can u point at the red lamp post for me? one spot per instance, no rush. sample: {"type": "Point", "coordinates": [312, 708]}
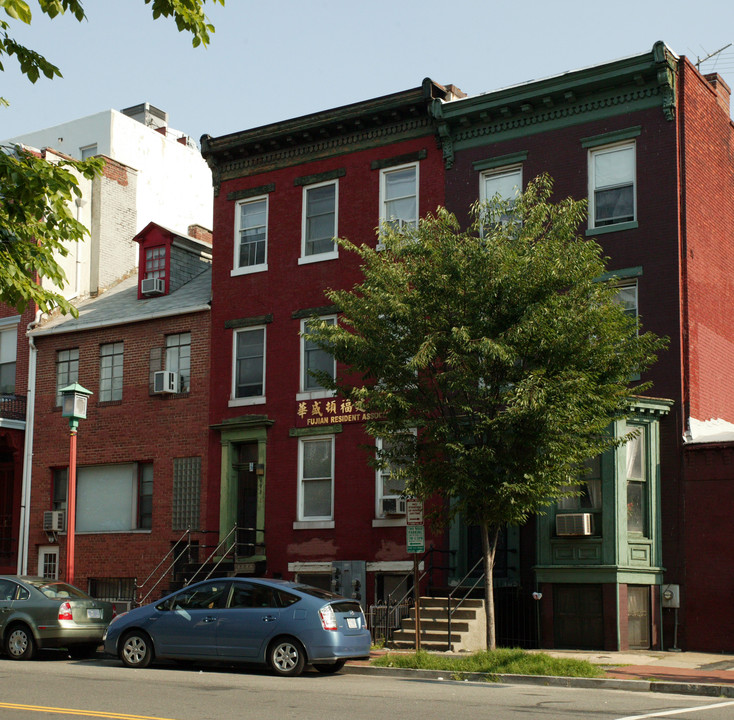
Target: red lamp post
{"type": "Point", "coordinates": [73, 406]}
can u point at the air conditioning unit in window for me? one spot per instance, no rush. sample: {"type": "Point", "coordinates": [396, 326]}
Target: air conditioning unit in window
{"type": "Point", "coordinates": [153, 286]}
{"type": "Point", "coordinates": [574, 524]}
{"type": "Point", "coordinates": [392, 505]}
{"type": "Point", "coordinates": [54, 520]}
{"type": "Point", "coordinates": [165, 381]}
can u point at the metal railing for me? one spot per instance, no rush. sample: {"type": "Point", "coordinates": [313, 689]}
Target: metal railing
{"type": "Point", "coordinates": [451, 597]}
{"type": "Point", "coordinates": [383, 620]}
{"type": "Point", "coordinates": [12, 407]}
{"type": "Point", "coordinates": [229, 548]}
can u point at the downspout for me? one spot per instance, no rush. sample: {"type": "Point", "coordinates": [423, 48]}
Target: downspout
{"type": "Point", "coordinates": [25, 493]}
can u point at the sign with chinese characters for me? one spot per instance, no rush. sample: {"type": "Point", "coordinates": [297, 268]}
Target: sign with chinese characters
{"type": "Point", "coordinates": [329, 411]}
{"type": "Point", "coordinates": [415, 539]}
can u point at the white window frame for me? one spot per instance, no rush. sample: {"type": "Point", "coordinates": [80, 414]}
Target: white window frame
{"type": "Point", "coordinates": [45, 551]}
{"type": "Point", "coordinates": [314, 521]}
{"type": "Point", "coordinates": [507, 170]}
{"type": "Point", "coordinates": [380, 519]}
{"type": "Point", "coordinates": [315, 393]}
{"type": "Point", "coordinates": [111, 391]}
{"type": "Point", "coordinates": [238, 269]}
{"type": "Point", "coordinates": [384, 173]}
{"type": "Point", "coordinates": [334, 252]}
{"type": "Point", "coordinates": [629, 145]}
{"type": "Point", "coordinates": [175, 360]}
{"type": "Point", "coordinates": [71, 377]}
{"type": "Point", "coordinates": [10, 325]}
{"type": "Point", "coordinates": [255, 399]}
{"type": "Point", "coordinates": [630, 284]}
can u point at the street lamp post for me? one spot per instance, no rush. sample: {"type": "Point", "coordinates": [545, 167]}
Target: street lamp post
{"type": "Point", "coordinates": [73, 406]}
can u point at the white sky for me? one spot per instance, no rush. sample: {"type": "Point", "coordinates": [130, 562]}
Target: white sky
{"type": "Point", "coordinates": [270, 61]}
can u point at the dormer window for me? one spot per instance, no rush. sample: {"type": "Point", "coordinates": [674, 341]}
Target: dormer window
{"type": "Point", "coordinates": [154, 278]}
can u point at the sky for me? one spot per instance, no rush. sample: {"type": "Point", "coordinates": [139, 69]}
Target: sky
{"type": "Point", "coordinates": [271, 61]}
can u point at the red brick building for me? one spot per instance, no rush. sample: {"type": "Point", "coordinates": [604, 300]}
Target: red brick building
{"type": "Point", "coordinates": [142, 348]}
{"type": "Point", "coordinates": [287, 458]}
{"type": "Point", "coordinates": [648, 141]}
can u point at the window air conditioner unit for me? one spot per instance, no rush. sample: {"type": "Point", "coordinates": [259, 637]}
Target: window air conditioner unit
{"type": "Point", "coordinates": [165, 381]}
{"type": "Point", "coordinates": [54, 520]}
{"type": "Point", "coordinates": [153, 286]}
{"type": "Point", "coordinates": [574, 524]}
{"type": "Point", "coordinates": [392, 505]}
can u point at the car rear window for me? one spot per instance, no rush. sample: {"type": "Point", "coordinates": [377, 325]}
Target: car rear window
{"type": "Point", "coordinates": [345, 606]}
{"type": "Point", "coordinates": [316, 592]}
{"type": "Point", "coordinates": [55, 590]}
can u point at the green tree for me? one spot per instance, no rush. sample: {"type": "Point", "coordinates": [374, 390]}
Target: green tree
{"type": "Point", "coordinates": [36, 223]}
{"type": "Point", "coordinates": [500, 346]}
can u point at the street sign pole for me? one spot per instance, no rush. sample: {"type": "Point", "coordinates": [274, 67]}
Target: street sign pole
{"type": "Point", "coordinates": [415, 536]}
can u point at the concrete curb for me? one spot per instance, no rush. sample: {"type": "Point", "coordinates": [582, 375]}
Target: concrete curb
{"type": "Point", "coordinates": [679, 688]}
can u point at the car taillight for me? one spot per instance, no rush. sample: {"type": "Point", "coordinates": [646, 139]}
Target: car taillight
{"type": "Point", "coordinates": [114, 611]}
{"type": "Point", "coordinates": [65, 611]}
{"type": "Point", "coordinates": [328, 618]}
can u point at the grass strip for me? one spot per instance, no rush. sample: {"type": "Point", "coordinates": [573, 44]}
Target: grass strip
{"type": "Point", "coordinates": [503, 661]}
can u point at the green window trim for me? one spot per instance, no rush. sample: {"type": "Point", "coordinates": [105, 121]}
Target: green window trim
{"type": "Point", "coordinates": [320, 430]}
{"type": "Point", "coordinates": [612, 228]}
{"type": "Point", "coordinates": [610, 138]}
{"type": "Point", "coordinates": [500, 161]}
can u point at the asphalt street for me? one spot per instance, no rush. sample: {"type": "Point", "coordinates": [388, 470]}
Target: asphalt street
{"type": "Point", "coordinates": [53, 687]}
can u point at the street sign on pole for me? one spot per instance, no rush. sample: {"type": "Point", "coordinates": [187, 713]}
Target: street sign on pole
{"type": "Point", "coordinates": [415, 538]}
{"type": "Point", "coordinates": [414, 512]}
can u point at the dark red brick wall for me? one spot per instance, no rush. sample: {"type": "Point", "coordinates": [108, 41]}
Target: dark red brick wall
{"type": "Point", "coordinates": [706, 617]}
{"type": "Point", "coordinates": [140, 428]}
{"type": "Point", "coordinates": [283, 289]}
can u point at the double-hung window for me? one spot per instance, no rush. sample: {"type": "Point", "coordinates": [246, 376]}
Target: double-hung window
{"type": "Point", "coordinates": [320, 216]}
{"type": "Point", "coordinates": [155, 262]}
{"type": "Point", "coordinates": [251, 235]}
{"type": "Point", "coordinates": [612, 196]}
{"type": "Point", "coordinates": [109, 498]}
{"type": "Point", "coordinates": [8, 352]}
{"type": "Point", "coordinates": [316, 478]}
{"type": "Point", "coordinates": [67, 370]}
{"type": "Point", "coordinates": [315, 359]}
{"type": "Point", "coordinates": [248, 386]}
{"type": "Point", "coordinates": [503, 185]}
{"type": "Point", "coordinates": [390, 482]}
{"type": "Point", "coordinates": [178, 359]}
{"type": "Point", "coordinates": [399, 196]}
{"type": "Point", "coordinates": [110, 371]}
{"type": "Point", "coordinates": [627, 298]}
{"type": "Point", "coordinates": [637, 483]}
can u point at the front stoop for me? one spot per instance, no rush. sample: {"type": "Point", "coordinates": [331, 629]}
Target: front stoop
{"type": "Point", "coordinates": [468, 627]}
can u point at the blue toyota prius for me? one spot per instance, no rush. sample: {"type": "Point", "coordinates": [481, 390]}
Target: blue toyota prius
{"type": "Point", "coordinates": [283, 625]}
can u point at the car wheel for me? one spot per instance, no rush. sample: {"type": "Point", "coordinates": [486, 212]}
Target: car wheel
{"type": "Point", "coordinates": [85, 650]}
{"type": "Point", "coordinates": [136, 649]}
{"type": "Point", "coordinates": [328, 668]}
{"type": "Point", "coordinates": [19, 643]}
{"type": "Point", "coordinates": [287, 657]}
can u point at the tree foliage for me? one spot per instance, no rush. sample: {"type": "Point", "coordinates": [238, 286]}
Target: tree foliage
{"type": "Point", "coordinates": [500, 345]}
{"type": "Point", "coordinates": [37, 224]}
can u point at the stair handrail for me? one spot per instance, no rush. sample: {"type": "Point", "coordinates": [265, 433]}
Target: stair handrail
{"type": "Point", "coordinates": [187, 532]}
{"type": "Point", "coordinates": [213, 553]}
{"type": "Point", "coordinates": [449, 610]}
{"type": "Point", "coordinates": [428, 568]}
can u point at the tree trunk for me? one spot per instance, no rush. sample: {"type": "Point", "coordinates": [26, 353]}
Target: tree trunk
{"type": "Point", "coordinates": [489, 547]}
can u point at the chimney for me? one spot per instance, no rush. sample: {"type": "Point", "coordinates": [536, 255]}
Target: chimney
{"type": "Point", "coordinates": [198, 232]}
{"type": "Point", "coordinates": [723, 91]}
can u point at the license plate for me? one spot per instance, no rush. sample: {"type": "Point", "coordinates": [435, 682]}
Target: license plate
{"type": "Point", "coordinates": [352, 623]}
{"type": "Point", "coordinates": [94, 613]}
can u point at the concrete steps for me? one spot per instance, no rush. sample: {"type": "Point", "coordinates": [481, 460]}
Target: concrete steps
{"type": "Point", "coordinates": [468, 627]}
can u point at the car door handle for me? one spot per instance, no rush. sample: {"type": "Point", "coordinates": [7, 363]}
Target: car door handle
{"type": "Point", "coordinates": [269, 618]}
{"type": "Point", "coordinates": [209, 619]}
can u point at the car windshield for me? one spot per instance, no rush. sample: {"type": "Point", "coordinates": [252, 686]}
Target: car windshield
{"type": "Point", "coordinates": [56, 590]}
{"type": "Point", "coordinates": [316, 592]}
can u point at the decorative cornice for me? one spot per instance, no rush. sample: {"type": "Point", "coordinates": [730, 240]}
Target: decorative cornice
{"type": "Point", "coordinates": [617, 88]}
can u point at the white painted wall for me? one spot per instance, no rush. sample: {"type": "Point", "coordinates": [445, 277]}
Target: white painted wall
{"type": "Point", "coordinates": [174, 181]}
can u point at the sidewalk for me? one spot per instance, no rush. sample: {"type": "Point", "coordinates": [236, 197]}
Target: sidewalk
{"type": "Point", "coordinates": [640, 670]}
